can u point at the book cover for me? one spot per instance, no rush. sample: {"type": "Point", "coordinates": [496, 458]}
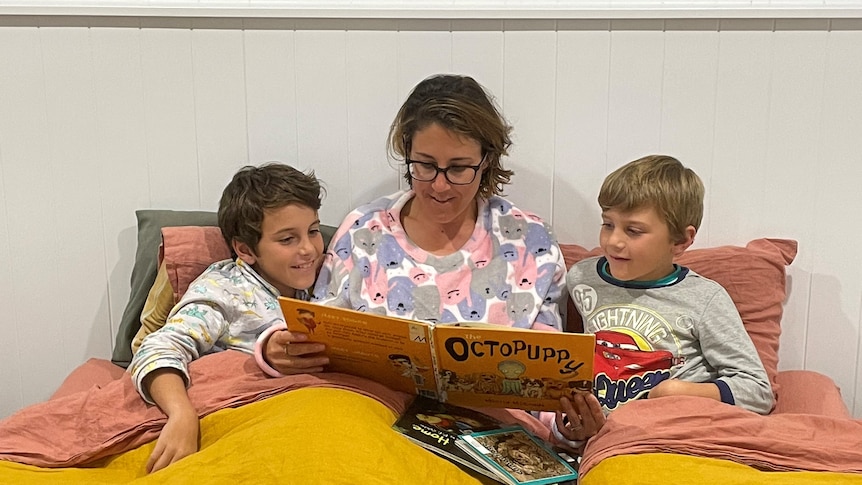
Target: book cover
{"type": "Point", "coordinates": [518, 457]}
{"type": "Point", "coordinates": [494, 366]}
{"type": "Point", "coordinates": [436, 426]}
{"type": "Point", "coordinates": [466, 364]}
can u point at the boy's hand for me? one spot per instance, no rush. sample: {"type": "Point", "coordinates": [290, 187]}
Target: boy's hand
{"type": "Point", "coordinates": [583, 417]}
{"type": "Point", "coordinates": [291, 353]}
{"type": "Point", "coordinates": [178, 439]}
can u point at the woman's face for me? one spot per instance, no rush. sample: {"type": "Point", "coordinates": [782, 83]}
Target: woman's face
{"type": "Point", "coordinates": [440, 201]}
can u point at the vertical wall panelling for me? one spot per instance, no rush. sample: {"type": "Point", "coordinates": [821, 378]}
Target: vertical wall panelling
{"type": "Point", "coordinates": [740, 142]}
{"type": "Point", "coordinates": [529, 75]}
{"type": "Point", "coordinates": [169, 104]}
{"type": "Point", "coordinates": [635, 98]}
{"type": "Point", "coordinates": [23, 121]}
{"type": "Point", "coordinates": [835, 303]}
{"type": "Point", "coordinates": [739, 179]}
{"type": "Point", "coordinates": [795, 109]}
{"type": "Point", "coordinates": [784, 207]}
{"type": "Point", "coordinates": [688, 99]}
{"type": "Point", "coordinates": [424, 49]}
{"type": "Point", "coordinates": [477, 51]}
{"type": "Point", "coordinates": [80, 311]}
{"type": "Point", "coordinates": [270, 83]}
{"type": "Point", "coordinates": [99, 117]}
{"type": "Point", "coordinates": [321, 95]}
{"type": "Point", "coordinates": [121, 151]}
{"type": "Point", "coordinates": [372, 101]}
{"type": "Point", "coordinates": [220, 111]}
{"type": "Point", "coordinates": [583, 63]}
{"type": "Point", "coordinates": [10, 372]}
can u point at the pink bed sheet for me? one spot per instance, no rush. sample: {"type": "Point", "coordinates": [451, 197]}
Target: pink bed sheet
{"type": "Point", "coordinates": [706, 428]}
{"type": "Point", "coordinates": [86, 421]}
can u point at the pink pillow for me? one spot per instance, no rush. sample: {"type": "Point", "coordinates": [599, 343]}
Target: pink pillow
{"type": "Point", "coordinates": [187, 251]}
{"type": "Point", "coordinates": [754, 277]}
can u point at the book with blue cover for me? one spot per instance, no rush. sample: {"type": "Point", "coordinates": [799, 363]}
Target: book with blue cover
{"type": "Point", "coordinates": [518, 457]}
{"type": "Point", "coordinates": [437, 426]}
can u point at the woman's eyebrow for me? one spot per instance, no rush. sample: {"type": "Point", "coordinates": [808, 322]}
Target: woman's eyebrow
{"type": "Point", "coordinates": [455, 159]}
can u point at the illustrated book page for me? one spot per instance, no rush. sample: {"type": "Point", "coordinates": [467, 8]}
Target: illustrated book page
{"type": "Point", "coordinates": [392, 351]}
{"type": "Point", "coordinates": [467, 364]}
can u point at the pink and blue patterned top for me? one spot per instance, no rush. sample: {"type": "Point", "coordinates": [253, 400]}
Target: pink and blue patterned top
{"type": "Point", "coordinates": [510, 272]}
{"type": "Point", "coordinates": [226, 307]}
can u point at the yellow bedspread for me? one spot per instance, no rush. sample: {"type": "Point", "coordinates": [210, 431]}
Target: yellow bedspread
{"type": "Point", "coordinates": [283, 439]}
{"type": "Point", "coordinates": [672, 469]}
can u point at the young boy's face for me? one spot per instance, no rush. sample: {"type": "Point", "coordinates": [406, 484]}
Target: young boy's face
{"type": "Point", "coordinates": [290, 248]}
{"type": "Point", "coordinates": [638, 244]}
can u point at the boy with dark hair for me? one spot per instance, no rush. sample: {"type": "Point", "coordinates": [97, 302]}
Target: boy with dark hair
{"type": "Point", "coordinates": [661, 329]}
{"type": "Point", "coordinates": [268, 216]}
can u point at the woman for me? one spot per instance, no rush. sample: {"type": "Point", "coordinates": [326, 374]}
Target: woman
{"type": "Point", "coordinates": [449, 248]}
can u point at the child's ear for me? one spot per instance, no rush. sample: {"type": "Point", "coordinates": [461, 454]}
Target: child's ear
{"type": "Point", "coordinates": [686, 241]}
{"type": "Point", "coordinates": [244, 251]}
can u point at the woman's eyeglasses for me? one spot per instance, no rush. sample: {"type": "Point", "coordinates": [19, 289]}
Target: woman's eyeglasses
{"type": "Point", "coordinates": [455, 174]}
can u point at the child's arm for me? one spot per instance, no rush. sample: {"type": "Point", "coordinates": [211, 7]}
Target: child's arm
{"type": "Point", "coordinates": [179, 437]}
{"type": "Point", "coordinates": [160, 372]}
{"type": "Point", "coordinates": [676, 387]}
{"type": "Point", "coordinates": [727, 348]}
{"type": "Point", "coordinates": [191, 330]}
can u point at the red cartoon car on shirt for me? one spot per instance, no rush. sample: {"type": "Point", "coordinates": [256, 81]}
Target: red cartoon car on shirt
{"type": "Point", "coordinates": [624, 371]}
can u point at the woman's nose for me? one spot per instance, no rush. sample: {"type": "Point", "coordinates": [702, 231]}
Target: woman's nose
{"type": "Point", "coordinates": [440, 182]}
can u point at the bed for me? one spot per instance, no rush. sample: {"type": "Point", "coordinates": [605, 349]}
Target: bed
{"type": "Point", "coordinates": [336, 428]}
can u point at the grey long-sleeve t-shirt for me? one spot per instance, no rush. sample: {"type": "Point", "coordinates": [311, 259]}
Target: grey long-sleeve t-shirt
{"type": "Point", "coordinates": [690, 316]}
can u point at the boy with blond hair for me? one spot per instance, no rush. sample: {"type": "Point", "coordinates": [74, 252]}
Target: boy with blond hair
{"type": "Point", "coordinates": [268, 216]}
{"type": "Point", "coordinates": [661, 329]}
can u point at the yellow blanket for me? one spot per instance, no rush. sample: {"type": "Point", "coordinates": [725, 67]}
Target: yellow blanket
{"type": "Point", "coordinates": [672, 469]}
{"type": "Point", "coordinates": [313, 435]}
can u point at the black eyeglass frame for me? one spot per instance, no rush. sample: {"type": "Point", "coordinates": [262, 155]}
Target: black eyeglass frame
{"type": "Point", "coordinates": [444, 171]}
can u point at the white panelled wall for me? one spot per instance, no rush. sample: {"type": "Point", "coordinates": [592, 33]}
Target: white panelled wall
{"type": "Point", "coordinates": [102, 116]}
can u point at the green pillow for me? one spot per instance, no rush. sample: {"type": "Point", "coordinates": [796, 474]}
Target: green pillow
{"type": "Point", "coordinates": [150, 224]}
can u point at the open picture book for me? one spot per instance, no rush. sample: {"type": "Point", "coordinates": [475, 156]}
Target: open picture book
{"type": "Point", "coordinates": [463, 363]}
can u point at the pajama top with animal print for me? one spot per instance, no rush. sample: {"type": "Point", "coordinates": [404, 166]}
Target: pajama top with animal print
{"type": "Point", "coordinates": [226, 307]}
{"type": "Point", "coordinates": [510, 272]}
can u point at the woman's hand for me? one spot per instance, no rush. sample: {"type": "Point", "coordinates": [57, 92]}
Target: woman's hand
{"type": "Point", "coordinates": [291, 353]}
{"type": "Point", "coordinates": [581, 418]}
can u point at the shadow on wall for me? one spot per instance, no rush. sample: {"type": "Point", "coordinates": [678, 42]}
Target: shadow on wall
{"type": "Point", "coordinates": [817, 299]}
{"type": "Point", "coordinates": [120, 276]}
{"type": "Point", "coordinates": [828, 317]}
